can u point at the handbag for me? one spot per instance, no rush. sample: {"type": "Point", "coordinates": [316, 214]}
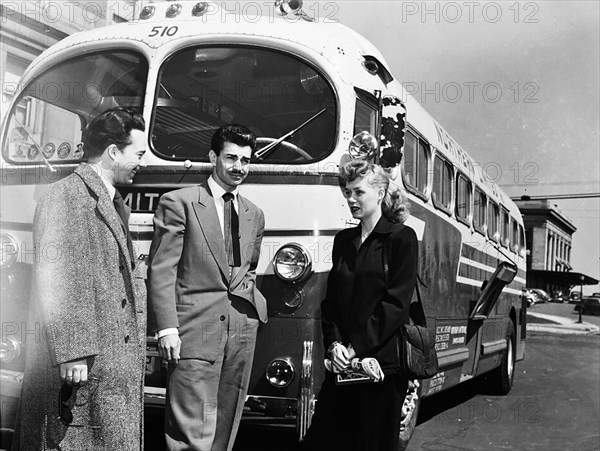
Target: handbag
{"type": "Point", "coordinates": [416, 354]}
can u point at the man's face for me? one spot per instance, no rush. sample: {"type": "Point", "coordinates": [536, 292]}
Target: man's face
{"type": "Point", "coordinates": [231, 166]}
{"type": "Point", "coordinates": [129, 159]}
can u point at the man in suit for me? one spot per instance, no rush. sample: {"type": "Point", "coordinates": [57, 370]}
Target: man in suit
{"type": "Point", "coordinates": [203, 296]}
{"type": "Point", "coordinates": [91, 301]}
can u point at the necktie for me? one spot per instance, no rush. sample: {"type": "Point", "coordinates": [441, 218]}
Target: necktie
{"type": "Point", "coordinates": [232, 232]}
{"type": "Point", "coordinates": [120, 207]}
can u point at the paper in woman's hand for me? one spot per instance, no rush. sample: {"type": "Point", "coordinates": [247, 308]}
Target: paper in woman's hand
{"type": "Point", "coordinates": [361, 371]}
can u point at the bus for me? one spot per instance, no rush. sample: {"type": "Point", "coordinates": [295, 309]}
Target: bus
{"type": "Point", "coordinates": [316, 94]}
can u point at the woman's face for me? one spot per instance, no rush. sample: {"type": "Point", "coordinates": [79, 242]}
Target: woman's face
{"type": "Point", "coordinates": [363, 199]}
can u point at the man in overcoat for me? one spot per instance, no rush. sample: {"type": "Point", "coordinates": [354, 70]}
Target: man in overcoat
{"type": "Point", "coordinates": [89, 304]}
{"type": "Point", "coordinates": [203, 297]}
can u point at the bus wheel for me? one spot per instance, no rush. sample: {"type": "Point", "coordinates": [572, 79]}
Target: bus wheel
{"type": "Point", "coordinates": [410, 412]}
{"type": "Point", "coordinates": [501, 380]}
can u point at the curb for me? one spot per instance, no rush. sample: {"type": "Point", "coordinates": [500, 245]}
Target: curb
{"type": "Point", "coordinates": [563, 329]}
{"type": "Point", "coordinates": [560, 325]}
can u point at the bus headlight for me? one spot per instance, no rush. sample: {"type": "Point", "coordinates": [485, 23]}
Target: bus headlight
{"type": "Point", "coordinates": [292, 263]}
{"type": "Point", "coordinates": [10, 349]}
{"type": "Point", "coordinates": [280, 373]}
{"type": "Point", "coordinates": [9, 250]}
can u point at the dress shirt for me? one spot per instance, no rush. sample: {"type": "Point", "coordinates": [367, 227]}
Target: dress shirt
{"type": "Point", "coordinates": [217, 193]}
{"type": "Point", "coordinates": [111, 189]}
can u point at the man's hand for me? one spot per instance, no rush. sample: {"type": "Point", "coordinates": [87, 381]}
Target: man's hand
{"type": "Point", "coordinates": [74, 372]}
{"type": "Point", "coordinates": [340, 358]}
{"type": "Point", "coordinates": [168, 347]}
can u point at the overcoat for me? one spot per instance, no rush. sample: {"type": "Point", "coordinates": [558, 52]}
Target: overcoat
{"type": "Point", "coordinates": [88, 302]}
{"type": "Point", "coordinates": [360, 307]}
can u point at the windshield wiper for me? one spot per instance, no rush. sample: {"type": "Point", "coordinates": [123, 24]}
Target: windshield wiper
{"type": "Point", "coordinates": [269, 147]}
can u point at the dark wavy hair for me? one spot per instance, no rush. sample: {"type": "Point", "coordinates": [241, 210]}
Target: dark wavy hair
{"type": "Point", "coordinates": [233, 133]}
{"type": "Point", "coordinates": [394, 205]}
{"type": "Point", "coordinates": [111, 127]}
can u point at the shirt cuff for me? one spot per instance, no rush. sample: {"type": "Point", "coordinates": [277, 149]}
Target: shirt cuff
{"type": "Point", "coordinates": [169, 331]}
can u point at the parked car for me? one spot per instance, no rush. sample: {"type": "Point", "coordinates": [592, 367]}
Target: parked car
{"type": "Point", "coordinates": [558, 296]}
{"type": "Point", "coordinates": [574, 297]}
{"type": "Point", "coordinates": [529, 296]}
{"type": "Point", "coordinates": [589, 305]}
{"type": "Point", "coordinates": [541, 295]}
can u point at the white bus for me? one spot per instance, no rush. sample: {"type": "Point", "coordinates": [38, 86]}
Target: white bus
{"type": "Point", "coordinates": [316, 94]}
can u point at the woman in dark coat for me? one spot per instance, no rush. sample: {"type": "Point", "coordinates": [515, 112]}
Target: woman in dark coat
{"type": "Point", "coordinates": [362, 314]}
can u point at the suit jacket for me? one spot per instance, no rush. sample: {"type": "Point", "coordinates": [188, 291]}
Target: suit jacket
{"type": "Point", "coordinates": [360, 307]}
{"type": "Point", "coordinates": [90, 304]}
{"type": "Point", "coordinates": [188, 274]}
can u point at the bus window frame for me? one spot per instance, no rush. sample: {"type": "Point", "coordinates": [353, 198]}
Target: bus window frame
{"type": "Point", "coordinates": [483, 228]}
{"type": "Point", "coordinates": [504, 237]}
{"type": "Point", "coordinates": [438, 204]}
{"type": "Point", "coordinates": [330, 84]}
{"type": "Point", "coordinates": [469, 218]}
{"type": "Point", "coordinates": [496, 235]}
{"type": "Point", "coordinates": [423, 195]}
{"type": "Point", "coordinates": [370, 101]}
{"type": "Point", "coordinates": [17, 97]}
{"type": "Point", "coordinates": [514, 235]}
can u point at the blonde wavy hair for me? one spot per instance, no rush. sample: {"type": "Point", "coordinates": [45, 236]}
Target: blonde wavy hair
{"type": "Point", "coordinates": [395, 205]}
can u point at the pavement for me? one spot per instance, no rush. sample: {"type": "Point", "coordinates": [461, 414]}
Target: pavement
{"type": "Point", "coordinates": [558, 324]}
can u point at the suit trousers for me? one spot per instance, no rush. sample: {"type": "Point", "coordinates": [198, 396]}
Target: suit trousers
{"type": "Point", "coordinates": [205, 399]}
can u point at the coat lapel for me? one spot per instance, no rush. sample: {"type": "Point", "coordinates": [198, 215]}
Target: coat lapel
{"type": "Point", "coordinates": [206, 213]}
{"type": "Point", "coordinates": [105, 206]}
{"type": "Point", "coordinates": [246, 219]}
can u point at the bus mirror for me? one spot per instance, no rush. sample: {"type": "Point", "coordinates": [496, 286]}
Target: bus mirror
{"type": "Point", "coordinates": [393, 127]}
{"type": "Point", "coordinates": [504, 274]}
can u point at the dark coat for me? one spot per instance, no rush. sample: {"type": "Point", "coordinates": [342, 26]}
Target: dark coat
{"type": "Point", "coordinates": [88, 303]}
{"type": "Point", "coordinates": [360, 308]}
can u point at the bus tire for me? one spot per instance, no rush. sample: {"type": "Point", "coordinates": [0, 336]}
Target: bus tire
{"type": "Point", "coordinates": [501, 380]}
{"type": "Point", "coordinates": [409, 423]}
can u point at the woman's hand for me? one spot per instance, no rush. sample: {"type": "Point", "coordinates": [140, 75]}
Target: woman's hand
{"type": "Point", "coordinates": [340, 358]}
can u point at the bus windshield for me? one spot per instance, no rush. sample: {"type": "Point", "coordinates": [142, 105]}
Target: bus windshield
{"type": "Point", "coordinates": [46, 122]}
{"type": "Point", "coordinates": [202, 88]}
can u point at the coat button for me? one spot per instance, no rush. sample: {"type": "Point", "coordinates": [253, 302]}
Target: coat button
{"type": "Point", "coordinates": [132, 265]}
{"type": "Point", "coordinates": [123, 303]}
{"type": "Point", "coordinates": [121, 268]}
{"type": "Point", "coordinates": [223, 317]}
{"type": "Point", "coordinates": [126, 338]}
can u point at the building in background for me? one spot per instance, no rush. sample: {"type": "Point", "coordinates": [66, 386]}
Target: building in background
{"type": "Point", "coordinates": [549, 237]}
{"type": "Point", "coordinates": [27, 28]}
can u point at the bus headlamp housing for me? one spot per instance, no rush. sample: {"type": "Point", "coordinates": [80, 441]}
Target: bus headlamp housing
{"type": "Point", "coordinates": [280, 372]}
{"type": "Point", "coordinates": [9, 250]}
{"type": "Point", "coordinates": [292, 263]}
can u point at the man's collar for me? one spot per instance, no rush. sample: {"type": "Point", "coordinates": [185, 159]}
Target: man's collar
{"type": "Point", "coordinates": [109, 186]}
{"type": "Point", "coordinates": [218, 191]}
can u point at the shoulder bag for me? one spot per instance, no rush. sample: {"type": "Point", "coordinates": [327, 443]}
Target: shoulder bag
{"type": "Point", "coordinates": [417, 357]}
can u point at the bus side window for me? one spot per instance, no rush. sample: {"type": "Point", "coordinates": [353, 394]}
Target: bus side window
{"type": "Point", "coordinates": [479, 212]}
{"type": "Point", "coordinates": [493, 216]}
{"type": "Point", "coordinates": [442, 184]}
{"type": "Point", "coordinates": [463, 200]}
{"type": "Point", "coordinates": [416, 160]}
{"type": "Point", "coordinates": [505, 231]}
{"type": "Point", "coordinates": [514, 236]}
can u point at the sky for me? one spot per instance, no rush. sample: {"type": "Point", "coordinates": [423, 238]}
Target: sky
{"type": "Point", "coordinates": [515, 83]}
